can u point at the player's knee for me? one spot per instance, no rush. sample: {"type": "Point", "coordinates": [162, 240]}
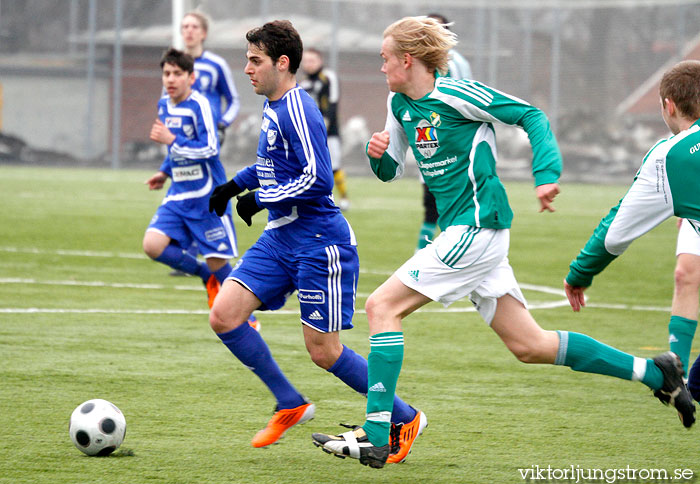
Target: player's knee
{"type": "Point", "coordinates": [527, 351]}
{"type": "Point", "coordinates": [223, 322]}
{"type": "Point", "coordinates": [217, 322]}
{"type": "Point", "coordinates": [374, 307]}
{"type": "Point", "coordinates": [686, 277]}
{"type": "Point", "coordinates": [322, 357]}
{"type": "Point", "coordinates": [152, 250]}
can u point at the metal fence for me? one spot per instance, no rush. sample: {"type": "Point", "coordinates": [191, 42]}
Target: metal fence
{"type": "Point", "coordinates": [80, 78]}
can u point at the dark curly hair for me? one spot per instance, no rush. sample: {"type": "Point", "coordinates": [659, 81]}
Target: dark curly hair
{"type": "Point", "coordinates": [278, 38]}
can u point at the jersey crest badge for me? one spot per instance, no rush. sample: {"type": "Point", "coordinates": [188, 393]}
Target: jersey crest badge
{"type": "Point", "coordinates": [426, 139]}
{"type": "Point", "coordinates": [435, 119]}
{"type": "Point", "coordinates": [406, 116]}
{"type": "Point", "coordinates": [173, 122]}
{"type": "Point", "coordinates": [271, 136]}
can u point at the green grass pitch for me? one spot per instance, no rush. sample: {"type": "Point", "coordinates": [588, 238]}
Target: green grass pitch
{"type": "Point", "coordinates": [84, 314]}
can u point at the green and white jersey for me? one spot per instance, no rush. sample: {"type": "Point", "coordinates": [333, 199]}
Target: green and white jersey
{"type": "Point", "coordinates": [451, 134]}
{"type": "Point", "coordinates": [667, 184]}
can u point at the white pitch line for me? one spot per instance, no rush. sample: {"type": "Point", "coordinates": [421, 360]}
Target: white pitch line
{"type": "Point", "coordinates": [280, 312]}
{"type": "Point", "coordinates": [78, 253]}
{"type": "Point", "coordinates": [121, 255]}
{"type": "Point", "coordinates": [125, 255]}
{"type": "Point", "coordinates": [120, 285]}
{"type": "Point", "coordinates": [629, 307]}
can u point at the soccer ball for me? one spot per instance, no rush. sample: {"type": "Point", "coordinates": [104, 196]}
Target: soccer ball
{"type": "Point", "coordinates": [97, 427]}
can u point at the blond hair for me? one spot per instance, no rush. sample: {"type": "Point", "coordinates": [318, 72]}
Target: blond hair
{"type": "Point", "coordinates": [201, 17]}
{"type": "Point", "coordinates": [425, 39]}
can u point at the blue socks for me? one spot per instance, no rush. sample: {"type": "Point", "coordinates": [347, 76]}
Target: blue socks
{"type": "Point", "coordinates": [223, 273]}
{"type": "Point", "coordinates": [184, 261]}
{"type": "Point", "coordinates": [177, 258]}
{"type": "Point", "coordinates": [248, 346]}
{"type": "Point", "coordinates": [351, 369]}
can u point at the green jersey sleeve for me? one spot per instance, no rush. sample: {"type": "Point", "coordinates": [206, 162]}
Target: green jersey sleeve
{"type": "Point", "coordinates": [647, 203]}
{"type": "Point", "coordinates": [391, 165]}
{"type": "Point", "coordinates": [479, 102]}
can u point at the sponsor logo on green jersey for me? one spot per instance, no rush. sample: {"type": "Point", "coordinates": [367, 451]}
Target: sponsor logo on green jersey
{"type": "Point", "coordinates": [427, 141]}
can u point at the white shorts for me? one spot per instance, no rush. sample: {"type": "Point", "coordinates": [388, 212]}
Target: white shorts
{"type": "Point", "coordinates": [688, 240]}
{"type": "Point", "coordinates": [464, 261]}
{"type": "Point", "coordinates": [335, 151]}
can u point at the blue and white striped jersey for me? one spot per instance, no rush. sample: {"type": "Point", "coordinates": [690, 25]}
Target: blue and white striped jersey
{"type": "Point", "coordinates": [215, 81]}
{"type": "Point", "coordinates": [193, 158]}
{"type": "Point", "coordinates": [293, 171]}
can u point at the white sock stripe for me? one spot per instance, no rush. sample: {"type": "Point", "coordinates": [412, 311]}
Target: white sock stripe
{"type": "Point", "coordinates": [640, 369]}
{"type": "Point", "coordinates": [391, 342]}
{"type": "Point", "coordinates": [373, 339]}
{"type": "Point", "coordinates": [560, 359]}
{"type": "Point", "coordinates": [384, 417]}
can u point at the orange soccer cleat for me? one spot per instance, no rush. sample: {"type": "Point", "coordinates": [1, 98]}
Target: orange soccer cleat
{"type": "Point", "coordinates": [402, 437]}
{"type": "Point", "coordinates": [282, 421]}
{"type": "Point", "coordinates": [213, 287]}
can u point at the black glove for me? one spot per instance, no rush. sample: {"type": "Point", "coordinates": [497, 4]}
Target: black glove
{"type": "Point", "coordinates": [247, 206]}
{"type": "Point", "coordinates": [218, 200]}
{"type": "Point", "coordinates": [221, 132]}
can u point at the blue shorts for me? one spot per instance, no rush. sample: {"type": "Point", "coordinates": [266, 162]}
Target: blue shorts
{"type": "Point", "coordinates": [215, 236]}
{"type": "Point", "coordinates": [325, 279]}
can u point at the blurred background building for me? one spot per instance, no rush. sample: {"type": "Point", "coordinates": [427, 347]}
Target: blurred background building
{"type": "Point", "coordinates": [79, 79]}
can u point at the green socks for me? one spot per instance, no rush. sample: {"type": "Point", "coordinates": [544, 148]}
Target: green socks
{"type": "Point", "coordinates": [680, 338]}
{"type": "Point", "coordinates": [427, 232]}
{"type": "Point", "coordinates": [384, 365]}
{"type": "Point", "coordinates": [583, 353]}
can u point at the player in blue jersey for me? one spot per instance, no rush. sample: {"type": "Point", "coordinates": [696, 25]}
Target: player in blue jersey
{"type": "Point", "coordinates": [307, 245]}
{"type": "Point", "coordinates": [185, 124]}
{"type": "Point", "coordinates": [213, 75]}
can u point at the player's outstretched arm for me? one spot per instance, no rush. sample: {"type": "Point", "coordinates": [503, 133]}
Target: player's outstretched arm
{"type": "Point", "coordinates": [378, 144]}
{"type": "Point", "coordinates": [546, 194]}
{"type": "Point", "coordinates": [575, 296]}
{"type": "Point", "coordinates": [157, 181]}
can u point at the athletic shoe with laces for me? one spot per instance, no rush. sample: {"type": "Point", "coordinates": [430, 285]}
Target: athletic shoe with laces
{"type": "Point", "coordinates": [213, 287]}
{"type": "Point", "coordinates": [353, 444]}
{"type": "Point", "coordinates": [402, 436]}
{"type": "Point", "coordinates": [674, 391]}
{"type": "Point", "coordinates": [282, 421]}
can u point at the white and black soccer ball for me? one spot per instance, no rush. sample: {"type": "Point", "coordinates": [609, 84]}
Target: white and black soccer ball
{"type": "Point", "coordinates": [97, 427]}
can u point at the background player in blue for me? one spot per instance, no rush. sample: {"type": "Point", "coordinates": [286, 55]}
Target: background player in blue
{"type": "Point", "coordinates": [186, 126]}
{"type": "Point", "coordinates": [307, 245]}
{"type": "Point", "coordinates": [212, 73]}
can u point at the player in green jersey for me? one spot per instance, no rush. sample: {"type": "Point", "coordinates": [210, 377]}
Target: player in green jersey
{"type": "Point", "coordinates": [667, 184]}
{"type": "Point", "coordinates": [448, 126]}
